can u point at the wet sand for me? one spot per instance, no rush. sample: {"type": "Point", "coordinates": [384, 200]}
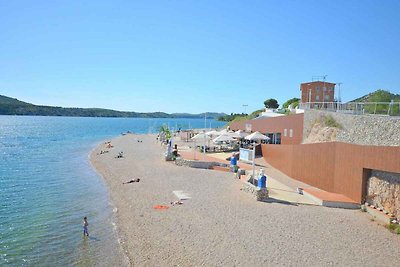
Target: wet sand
{"type": "Point", "coordinates": [221, 225]}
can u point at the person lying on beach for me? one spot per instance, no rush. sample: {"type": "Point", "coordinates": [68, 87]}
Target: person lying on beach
{"type": "Point", "coordinates": [132, 181]}
{"type": "Point", "coordinates": [120, 155]}
{"type": "Point", "coordinates": [173, 203]}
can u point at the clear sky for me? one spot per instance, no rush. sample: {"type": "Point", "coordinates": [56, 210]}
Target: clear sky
{"type": "Point", "coordinates": [194, 56]}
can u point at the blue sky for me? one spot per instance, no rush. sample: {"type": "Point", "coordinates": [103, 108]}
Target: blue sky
{"type": "Point", "coordinates": [194, 56]}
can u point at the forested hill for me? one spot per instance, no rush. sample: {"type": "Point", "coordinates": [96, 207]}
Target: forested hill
{"type": "Point", "coordinates": [12, 106]}
{"type": "Point", "coordinates": [378, 96]}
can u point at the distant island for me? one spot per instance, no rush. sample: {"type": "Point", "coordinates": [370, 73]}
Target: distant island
{"type": "Point", "coordinates": [13, 106]}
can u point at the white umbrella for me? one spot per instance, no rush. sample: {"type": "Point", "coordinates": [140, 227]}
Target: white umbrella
{"type": "Point", "coordinates": [224, 131]}
{"type": "Point", "coordinates": [242, 134]}
{"type": "Point", "coordinates": [233, 134]}
{"type": "Point", "coordinates": [213, 132]}
{"type": "Point", "coordinates": [200, 136]}
{"type": "Point", "coordinates": [256, 136]}
{"type": "Point", "coordinates": [223, 138]}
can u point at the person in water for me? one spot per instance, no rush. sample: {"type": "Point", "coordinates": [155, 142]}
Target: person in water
{"type": "Point", "coordinates": [85, 227]}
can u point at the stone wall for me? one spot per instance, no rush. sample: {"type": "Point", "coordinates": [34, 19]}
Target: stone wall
{"type": "Point", "coordinates": [383, 191]}
{"type": "Point", "coordinates": [197, 164]}
{"type": "Point", "coordinates": [358, 129]}
{"type": "Point", "coordinates": [257, 193]}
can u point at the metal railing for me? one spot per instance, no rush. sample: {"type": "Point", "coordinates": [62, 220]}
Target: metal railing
{"type": "Point", "coordinates": [357, 108]}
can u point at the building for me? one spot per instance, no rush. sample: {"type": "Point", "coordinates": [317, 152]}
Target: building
{"type": "Point", "coordinates": [286, 130]}
{"type": "Point", "coordinates": [317, 91]}
{"type": "Point", "coordinates": [349, 167]}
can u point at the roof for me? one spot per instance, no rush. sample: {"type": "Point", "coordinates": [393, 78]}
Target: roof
{"type": "Point", "coordinates": [317, 82]}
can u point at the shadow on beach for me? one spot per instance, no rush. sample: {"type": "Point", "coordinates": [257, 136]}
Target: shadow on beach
{"type": "Point", "coordinates": [278, 201]}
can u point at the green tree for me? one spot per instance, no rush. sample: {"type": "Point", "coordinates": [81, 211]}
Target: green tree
{"type": "Point", "coordinates": [271, 103]}
{"type": "Point", "coordinates": [164, 129]}
{"type": "Point", "coordinates": [293, 101]}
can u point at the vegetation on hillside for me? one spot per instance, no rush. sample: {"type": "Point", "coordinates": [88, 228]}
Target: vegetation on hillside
{"type": "Point", "coordinates": [12, 106]}
{"type": "Point", "coordinates": [232, 117]}
{"type": "Point", "coordinates": [329, 121]}
{"type": "Point", "coordinates": [380, 96]}
{"type": "Point", "coordinates": [241, 116]}
{"type": "Point", "coordinates": [293, 101]}
{"type": "Point", "coordinates": [255, 114]}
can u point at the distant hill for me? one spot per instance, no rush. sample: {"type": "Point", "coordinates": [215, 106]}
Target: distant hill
{"type": "Point", "coordinates": [213, 115]}
{"type": "Point", "coordinates": [378, 96]}
{"type": "Point", "coordinates": [384, 108]}
{"type": "Point", "coordinates": [13, 106]}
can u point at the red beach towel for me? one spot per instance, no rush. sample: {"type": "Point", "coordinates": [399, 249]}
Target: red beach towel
{"type": "Point", "coordinates": [160, 207]}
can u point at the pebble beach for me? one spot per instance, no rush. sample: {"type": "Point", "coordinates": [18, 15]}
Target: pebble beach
{"type": "Point", "coordinates": [220, 225]}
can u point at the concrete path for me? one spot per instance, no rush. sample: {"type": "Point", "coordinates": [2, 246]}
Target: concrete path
{"type": "Point", "coordinates": [277, 189]}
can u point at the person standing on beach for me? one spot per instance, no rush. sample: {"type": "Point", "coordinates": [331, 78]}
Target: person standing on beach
{"type": "Point", "coordinates": [233, 162]}
{"type": "Point", "coordinates": [85, 227]}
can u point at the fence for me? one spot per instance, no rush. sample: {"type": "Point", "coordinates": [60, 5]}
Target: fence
{"type": "Point", "coordinates": [335, 167]}
{"type": "Point", "coordinates": [356, 108]}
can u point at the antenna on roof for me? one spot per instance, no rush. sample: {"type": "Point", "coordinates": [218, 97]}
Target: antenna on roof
{"type": "Point", "coordinates": [319, 77]}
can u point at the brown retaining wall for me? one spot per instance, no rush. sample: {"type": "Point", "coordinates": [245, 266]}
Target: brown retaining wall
{"type": "Point", "coordinates": [334, 167]}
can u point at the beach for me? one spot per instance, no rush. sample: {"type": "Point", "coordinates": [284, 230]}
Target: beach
{"type": "Point", "coordinates": [220, 225]}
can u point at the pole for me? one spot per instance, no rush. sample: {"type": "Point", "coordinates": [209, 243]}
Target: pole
{"type": "Point", "coordinates": [205, 127]}
{"type": "Point", "coordinates": [205, 120]}
{"type": "Point", "coordinates": [339, 98]}
{"type": "Point", "coordinates": [323, 93]}
{"type": "Point", "coordinates": [204, 150]}
{"type": "Point", "coordinates": [194, 150]}
{"type": "Point", "coordinates": [254, 164]}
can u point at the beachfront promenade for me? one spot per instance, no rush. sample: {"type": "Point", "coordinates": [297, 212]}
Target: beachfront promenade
{"type": "Point", "coordinates": [220, 225]}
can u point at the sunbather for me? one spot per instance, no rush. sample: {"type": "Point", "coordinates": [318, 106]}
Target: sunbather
{"type": "Point", "coordinates": [132, 181]}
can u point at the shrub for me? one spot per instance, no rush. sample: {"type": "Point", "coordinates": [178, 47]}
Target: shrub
{"type": "Point", "coordinates": [331, 122]}
{"type": "Point", "coordinates": [392, 227]}
{"type": "Point", "coordinates": [397, 231]}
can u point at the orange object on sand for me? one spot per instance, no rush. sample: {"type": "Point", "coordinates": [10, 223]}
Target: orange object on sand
{"type": "Point", "coordinates": [160, 207]}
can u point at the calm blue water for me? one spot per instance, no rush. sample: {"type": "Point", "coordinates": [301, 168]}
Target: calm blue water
{"type": "Point", "coordinates": [47, 186]}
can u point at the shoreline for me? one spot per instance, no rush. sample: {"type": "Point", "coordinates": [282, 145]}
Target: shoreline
{"type": "Point", "coordinates": [126, 261]}
{"type": "Point", "coordinates": [221, 225]}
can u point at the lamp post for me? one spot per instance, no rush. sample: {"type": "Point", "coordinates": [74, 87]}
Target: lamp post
{"type": "Point", "coordinates": [205, 141]}
{"type": "Point", "coordinates": [323, 91]}
{"type": "Point", "coordinates": [339, 97]}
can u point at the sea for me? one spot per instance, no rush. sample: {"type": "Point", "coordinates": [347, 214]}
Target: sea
{"type": "Point", "coordinates": [47, 186]}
